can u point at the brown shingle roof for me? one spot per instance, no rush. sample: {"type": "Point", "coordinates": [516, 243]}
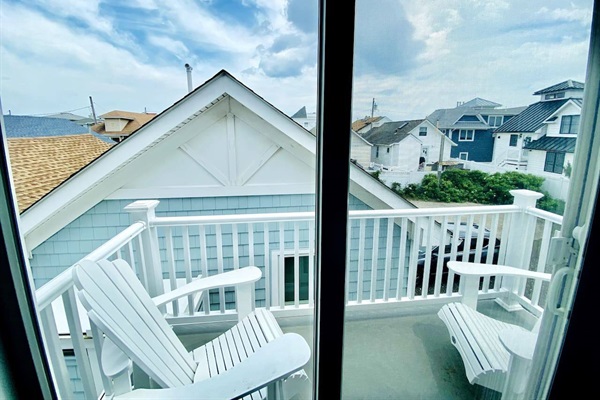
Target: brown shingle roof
{"type": "Point", "coordinates": [136, 120]}
{"type": "Point", "coordinates": [40, 164]}
{"type": "Point", "coordinates": [361, 123]}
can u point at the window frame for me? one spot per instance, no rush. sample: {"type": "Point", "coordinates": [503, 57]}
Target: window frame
{"type": "Point", "coordinates": [555, 168]}
{"type": "Point", "coordinates": [466, 137]}
{"type": "Point", "coordinates": [464, 154]}
{"type": "Point", "coordinates": [566, 128]}
{"type": "Point", "coordinates": [276, 256]}
{"type": "Point", "coordinates": [515, 142]}
{"type": "Point", "coordinates": [422, 131]}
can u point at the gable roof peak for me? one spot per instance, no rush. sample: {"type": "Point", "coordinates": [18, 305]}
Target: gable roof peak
{"type": "Point", "coordinates": [569, 84]}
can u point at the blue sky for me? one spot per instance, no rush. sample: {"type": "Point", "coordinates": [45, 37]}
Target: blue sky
{"type": "Point", "coordinates": [411, 56]}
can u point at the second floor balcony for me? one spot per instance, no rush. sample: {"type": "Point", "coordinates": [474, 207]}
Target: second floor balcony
{"type": "Point", "coordinates": [396, 281]}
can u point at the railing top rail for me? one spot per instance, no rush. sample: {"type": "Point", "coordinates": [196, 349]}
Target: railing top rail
{"type": "Point", "coordinates": [310, 215]}
{"type": "Point", "coordinates": [50, 291]}
{"type": "Point", "coordinates": [545, 215]}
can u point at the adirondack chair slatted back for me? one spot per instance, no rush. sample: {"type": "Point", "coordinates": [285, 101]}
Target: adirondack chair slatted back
{"type": "Point", "coordinates": [120, 307]}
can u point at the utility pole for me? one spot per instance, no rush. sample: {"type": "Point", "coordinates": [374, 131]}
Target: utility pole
{"type": "Point", "coordinates": [373, 107]}
{"type": "Point", "coordinates": [441, 158]}
{"type": "Point", "coordinates": [93, 110]}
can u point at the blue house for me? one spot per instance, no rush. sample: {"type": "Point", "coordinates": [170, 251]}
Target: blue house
{"type": "Point", "coordinates": [470, 125]}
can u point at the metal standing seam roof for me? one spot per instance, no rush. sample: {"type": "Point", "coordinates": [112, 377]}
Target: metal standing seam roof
{"type": "Point", "coordinates": [532, 118]}
{"type": "Point", "coordinates": [25, 126]}
{"type": "Point", "coordinates": [553, 143]}
{"type": "Point", "coordinates": [566, 85]}
{"type": "Point", "coordinates": [391, 132]}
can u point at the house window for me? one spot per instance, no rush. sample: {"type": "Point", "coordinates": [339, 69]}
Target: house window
{"type": "Point", "coordinates": [554, 162]}
{"type": "Point", "coordinates": [376, 151]}
{"type": "Point", "coordinates": [466, 135]}
{"type": "Point", "coordinates": [463, 155]}
{"type": "Point", "coordinates": [388, 149]}
{"type": "Point", "coordinates": [423, 131]}
{"type": "Point", "coordinates": [554, 96]}
{"type": "Point", "coordinates": [289, 279]}
{"type": "Point", "coordinates": [569, 124]}
{"type": "Point", "coordinates": [285, 274]}
{"type": "Point", "coordinates": [513, 140]}
{"type": "Point", "coordinates": [495, 120]}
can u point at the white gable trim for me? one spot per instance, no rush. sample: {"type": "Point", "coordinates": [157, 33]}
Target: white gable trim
{"type": "Point", "coordinates": [102, 178]}
{"type": "Point", "coordinates": [559, 111]}
{"type": "Point", "coordinates": [436, 130]}
{"type": "Point", "coordinates": [361, 138]}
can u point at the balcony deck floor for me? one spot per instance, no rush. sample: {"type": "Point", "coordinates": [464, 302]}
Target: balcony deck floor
{"type": "Point", "coordinates": [406, 356]}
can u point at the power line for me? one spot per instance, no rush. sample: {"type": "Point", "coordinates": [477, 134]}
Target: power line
{"type": "Point", "coordinates": [60, 112]}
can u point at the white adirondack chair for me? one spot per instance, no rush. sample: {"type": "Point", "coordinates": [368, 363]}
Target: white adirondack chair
{"type": "Point", "coordinates": [254, 358]}
{"type": "Point", "coordinates": [489, 348]}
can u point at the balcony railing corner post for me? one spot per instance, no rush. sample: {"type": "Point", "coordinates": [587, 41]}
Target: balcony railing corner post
{"type": "Point", "coordinates": [516, 245]}
{"type": "Point", "coordinates": [144, 210]}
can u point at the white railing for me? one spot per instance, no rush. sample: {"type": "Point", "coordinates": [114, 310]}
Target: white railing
{"type": "Point", "coordinates": [390, 264]}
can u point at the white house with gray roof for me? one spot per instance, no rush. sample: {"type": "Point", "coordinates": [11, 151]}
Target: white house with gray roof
{"type": "Point", "coordinates": [407, 145]}
{"type": "Point", "coordinates": [470, 125]}
{"type": "Point", "coordinates": [541, 139]}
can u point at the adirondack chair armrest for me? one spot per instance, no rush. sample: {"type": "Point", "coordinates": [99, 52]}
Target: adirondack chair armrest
{"type": "Point", "coordinates": [238, 277]}
{"type": "Point", "coordinates": [520, 345]}
{"type": "Point", "coordinates": [472, 272]}
{"type": "Point", "coordinates": [271, 363]}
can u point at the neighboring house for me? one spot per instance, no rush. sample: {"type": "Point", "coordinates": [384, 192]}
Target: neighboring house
{"type": "Point", "coordinates": [470, 125]}
{"type": "Point", "coordinates": [360, 150]}
{"type": "Point", "coordinates": [118, 125]}
{"type": "Point", "coordinates": [407, 145]}
{"type": "Point", "coordinates": [307, 120]}
{"type": "Point", "coordinates": [361, 126]}
{"type": "Point", "coordinates": [78, 119]}
{"type": "Point", "coordinates": [222, 149]}
{"type": "Point", "coordinates": [542, 137]}
{"type": "Point", "coordinates": [45, 151]}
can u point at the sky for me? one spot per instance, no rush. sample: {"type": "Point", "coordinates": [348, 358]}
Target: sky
{"type": "Point", "coordinates": [411, 57]}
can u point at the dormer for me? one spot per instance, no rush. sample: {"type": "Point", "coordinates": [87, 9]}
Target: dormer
{"type": "Point", "coordinates": [563, 90]}
{"type": "Point", "coordinates": [114, 122]}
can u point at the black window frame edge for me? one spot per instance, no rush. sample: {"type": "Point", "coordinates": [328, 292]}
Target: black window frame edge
{"type": "Point", "coordinates": [25, 370]}
{"type": "Point", "coordinates": [334, 119]}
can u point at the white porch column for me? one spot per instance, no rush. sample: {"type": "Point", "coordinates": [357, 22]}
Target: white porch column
{"type": "Point", "coordinates": [143, 210]}
{"type": "Point", "coordinates": [518, 249]}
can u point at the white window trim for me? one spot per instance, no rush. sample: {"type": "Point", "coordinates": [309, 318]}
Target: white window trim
{"type": "Point", "coordinates": [465, 154]}
{"type": "Point", "coordinates": [467, 139]}
{"type": "Point", "coordinates": [277, 266]}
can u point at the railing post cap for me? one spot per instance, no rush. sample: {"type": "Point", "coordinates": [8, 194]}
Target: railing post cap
{"type": "Point", "coordinates": [525, 198]}
{"type": "Point", "coordinates": [141, 206]}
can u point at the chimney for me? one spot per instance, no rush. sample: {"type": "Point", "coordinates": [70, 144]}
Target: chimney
{"type": "Point", "coordinates": [188, 68]}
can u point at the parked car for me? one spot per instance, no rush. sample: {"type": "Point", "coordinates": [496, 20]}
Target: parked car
{"type": "Point", "coordinates": [460, 252]}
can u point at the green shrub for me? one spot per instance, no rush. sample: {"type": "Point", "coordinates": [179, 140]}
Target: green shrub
{"type": "Point", "coordinates": [460, 186]}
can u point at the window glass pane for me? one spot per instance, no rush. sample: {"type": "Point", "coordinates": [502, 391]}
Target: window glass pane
{"type": "Point", "coordinates": [196, 117]}
{"type": "Point", "coordinates": [395, 269]}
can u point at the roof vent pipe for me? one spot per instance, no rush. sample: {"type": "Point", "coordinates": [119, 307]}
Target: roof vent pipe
{"type": "Point", "coordinates": [188, 68]}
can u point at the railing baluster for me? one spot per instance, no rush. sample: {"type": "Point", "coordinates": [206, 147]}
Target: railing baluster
{"type": "Point", "coordinates": [541, 265]}
{"type": "Point", "coordinates": [235, 240]}
{"type": "Point", "coordinates": [267, 257]}
{"type": "Point", "coordinates": [480, 238]}
{"type": "Point", "coordinates": [439, 268]}
{"type": "Point", "coordinates": [98, 339]}
{"type": "Point", "coordinates": [172, 269]}
{"type": "Point", "coordinates": [187, 265]}
{"type": "Point", "coordinates": [296, 265]}
{"type": "Point", "coordinates": [413, 257]}
{"type": "Point", "coordinates": [361, 254]}
{"type": "Point", "coordinates": [374, 260]}
{"type": "Point", "coordinates": [203, 267]}
{"type": "Point", "coordinates": [142, 264]}
{"type": "Point", "coordinates": [427, 262]}
{"type": "Point", "coordinates": [401, 257]}
{"type": "Point", "coordinates": [453, 251]}
{"type": "Point", "coordinates": [219, 236]}
{"type": "Point", "coordinates": [388, 259]}
{"type": "Point", "coordinates": [281, 266]}
{"type": "Point", "coordinates": [55, 353]}
{"type": "Point", "coordinates": [132, 261]}
{"type": "Point", "coordinates": [76, 333]}
{"type": "Point", "coordinates": [491, 249]}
